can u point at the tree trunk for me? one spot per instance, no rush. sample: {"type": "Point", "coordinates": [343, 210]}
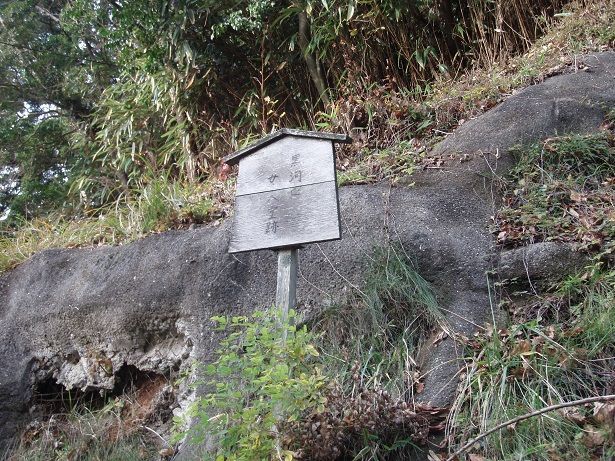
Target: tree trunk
{"type": "Point", "coordinates": [445, 12]}
{"type": "Point", "coordinates": [310, 60]}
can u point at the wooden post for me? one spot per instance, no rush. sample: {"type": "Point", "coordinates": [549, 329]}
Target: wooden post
{"type": "Point", "coordinates": [285, 299]}
{"type": "Point", "coordinates": [286, 293]}
{"type": "Point", "coordinates": [286, 196]}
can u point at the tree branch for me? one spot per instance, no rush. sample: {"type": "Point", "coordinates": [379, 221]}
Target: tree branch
{"type": "Point", "coordinates": [114, 4]}
{"type": "Point", "coordinates": [47, 14]}
{"type": "Point", "coordinates": [574, 403]}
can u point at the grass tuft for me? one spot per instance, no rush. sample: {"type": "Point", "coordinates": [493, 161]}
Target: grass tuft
{"type": "Point", "coordinates": [372, 340]}
{"type": "Point", "coordinates": [160, 206]}
{"type": "Point", "coordinates": [534, 364]}
{"type": "Point", "coordinates": [86, 435]}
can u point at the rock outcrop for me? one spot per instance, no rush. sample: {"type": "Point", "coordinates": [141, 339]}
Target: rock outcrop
{"type": "Point", "coordinates": [77, 316]}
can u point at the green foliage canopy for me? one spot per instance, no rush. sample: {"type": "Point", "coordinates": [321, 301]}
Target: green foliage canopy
{"type": "Point", "coordinates": [113, 94]}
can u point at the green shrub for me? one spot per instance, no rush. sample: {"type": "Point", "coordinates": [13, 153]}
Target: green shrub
{"type": "Point", "coordinates": [264, 376]}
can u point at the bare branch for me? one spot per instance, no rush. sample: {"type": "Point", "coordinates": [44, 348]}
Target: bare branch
{"type": "Point", "coordinates": [574, 403]}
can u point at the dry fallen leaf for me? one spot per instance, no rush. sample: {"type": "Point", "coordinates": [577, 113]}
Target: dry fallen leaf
{"type": "Point", "coordinates": [440, 337]}
{"type": "Point", "coordinates": [604, 413]}
{"type": "Point", "coordinates": [554, 455]}
{"type": "Point", "coordinates": [592, 437]}
{"type": "Point", "coordinates": [166, 452]}
{"type": "Point", "coordinates": [573, 414]}
{"type": "Point", "coordinates": [573, 212]}
{"type": "Point", "coordinates": [420, 387]}
{"type": "Point", "coordinates": [522, 347]}
{"type": "Point", "coordinates": [577, 196]}
{"type": "Point", "coordinates": [475, 457]}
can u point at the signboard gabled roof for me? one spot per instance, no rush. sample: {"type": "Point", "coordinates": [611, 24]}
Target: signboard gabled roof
{"type": "Point", "coordinates": [234, 158]}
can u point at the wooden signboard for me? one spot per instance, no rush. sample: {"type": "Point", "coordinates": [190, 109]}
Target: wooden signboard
{"type": "Point", "coordinates": [286, 191]}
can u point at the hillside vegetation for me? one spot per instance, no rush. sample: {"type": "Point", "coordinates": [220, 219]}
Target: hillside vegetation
{"type": "Point", "coordinates": [558, 344]}
{"type": "Point", "coordinates": [114, 117]}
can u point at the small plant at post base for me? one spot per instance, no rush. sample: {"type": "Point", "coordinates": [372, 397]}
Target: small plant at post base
{"type": "Point", "coordinates": [259, 382]}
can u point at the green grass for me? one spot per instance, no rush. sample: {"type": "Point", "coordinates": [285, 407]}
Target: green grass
{"type": "Point", "coordinates": [372, 166]}
{"type": "Point", "coordinates": [535, 364]}
{"type": "Point", "coordinates": [159, 206]}
{"type": "Point", "coordinates": [373, 338]}
{"type": "Point", "coordinates": [370, 346]}
{"type": "Point", "coordinates": [86, 435]}
{"type": "Point", "coordinates": [561, 345]}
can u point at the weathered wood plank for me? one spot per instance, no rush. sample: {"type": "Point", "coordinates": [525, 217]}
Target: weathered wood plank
{"type": "Point", "coordinates": [290, 162]}
{"type": "Point", "coordinates": [286, 217]}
